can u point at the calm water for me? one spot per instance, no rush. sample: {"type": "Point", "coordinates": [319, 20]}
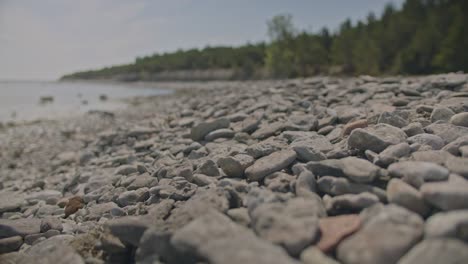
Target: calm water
{"type": "Point", "coordinates": [21, 100]}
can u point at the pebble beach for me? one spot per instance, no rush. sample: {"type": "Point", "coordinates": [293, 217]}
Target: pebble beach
{"type": "Point", "coordinates": [320, 170]}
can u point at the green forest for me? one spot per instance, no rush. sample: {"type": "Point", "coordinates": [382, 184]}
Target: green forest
{"type": "Point", "coordinates": [422, 37]}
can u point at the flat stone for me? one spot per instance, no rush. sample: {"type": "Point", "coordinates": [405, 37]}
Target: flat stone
{"type": "Point", "coordinates": [384, 238]}
{"type": "Point", "coordinates": [111, 244]}
{"type": "Point", "coordinates": [334, 229]}
{"type": "Point", "coordinates": [403, 194]}
{"type": "Point", "coordinates": [293, 225]}
{"type": "Point", "coordinates": [441, 113]}
{"type": "Point", "coordinates": [126, 170]}
{"type": "Point", "coordinates": [216, 239]}
{"type": "Point", "coordinates": [393, 119]}
{"type": "Point", "coordinates": [219, 133]}
{"type": "Point", "coordinates": [240, 216]}
{"type": "Point", "coordinates": [349, 127]}
{"type": "Point", "coordinates": [249, 125]}
{"type": "Point", "coordinates": [132, 197]}
{"type": "Point", "coordinates": [417, 172]}
{"type": "Point", "coordinates": [155, 241]}
{"type": "Point", "coordinates": [433, 156]}
{"type": "Point", "coordinates": [269, 164]}
{"type": "Point", "coordinates": [99, 210]}
{"type": "Point", "coordinates": [453, 224]}
{"type": "Point", "coordinates": [454, 146]}
{"type": "Point", "coordinates": [51, 223]}
{"type": "Point", "coordinates": [199, 131]}
{"type": "Point", "coordinates": [328, 167]}
{"type": "Point", "coordinates": [314, 141]}
{"type": "Point", "coordinates": [19, 227]}
{"type": "Point", "coordinates": [446, 195]}
{"type": "Point", "coordinates": [339, 186]}
{"type": "Point", "coordinates": [435, 142]}
{"type": "Point", "coordinates": [437, 251]}
{"type": "Point", "coordinates": [143, 180]}
{"type": "Point", "coordinates": [176, 189]}
{"type": "Point", "coordinates": [447, 132]}
{"type": "Point", "coordinates": [10, 201]}
{"type": "Point", "coordinates": [44, 195]}
{"type": "Point", "coordinates": [235, 166]}
{"type": "Point", "coordinates": [376, 138]}
{"type": "Point", "coordinates": [10, 244]}
{"type": "Point", "coordinates": [279, 182]}
{"type": "Point", "coordinates": [359, 170]}
{"type": "Point", "coordinates": [457, 165]}
{"type": "Point", "coordinates": [10, 258]}
{"type": "Point", "coordinates": [307, 152]}
{"type": "Point", "coordinates": [31, 239]}
{"type": "Point", "coordinates": [305, 184]}
{"type": "Point", "coordinates": [392, 154]}
{"type": "Point", "coordinates": [209, 168]}
{"type": "Point", "coordinates": [464, 151]}
{"type": "Point", "coordinates": [413, 129]}
{"type": "Point", "coordinates": [460, 119]}
{"type": "Point", "coordinates": [128, 229]}
{"type": "Point", "coordinates": [53, 250]}
{"type": "Point", "coordinates": [313, 255]}
{"type": "Point", "coordinates": [268, 130]}
{"type": "Point", "coordinates": [350, 203]}
{"type": "Point", "coordinates": [265, 147]}
{"type": "Point", "coordinates": [203, 180]}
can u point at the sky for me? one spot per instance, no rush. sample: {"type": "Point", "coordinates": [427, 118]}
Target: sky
{"type": "Point", "coordinates": [44, 39]}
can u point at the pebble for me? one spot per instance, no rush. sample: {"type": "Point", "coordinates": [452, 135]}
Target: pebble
{"type": "Point", "coordinates": [402, 230]}
{"type": "Point", "coordinates": [377, 138]}
{"type": "Point", "coordinates": [9, 201]}
{"type": "Point", "coordinates": [450, 224]}
{"type": "Point", "coordinates": [74, 204]}
{"type": "Point", "coordinates": [417, 172]}
{"type": "Point", "coordinates": [441, 114]}
{"type": "Point", "coordinates": [446, 196]}
{"type": "Point", "coordinates": [271, 171]}
{"type": "Point", "coordinates": [349, 127]}
{"type": "Point", "coordinates": [235, 166]}
{"type": "Point", "coordinates": [293, 225]}
{"type": "Point", "coordinates": [403, 194]}
{"type": "Point", "coordinates": [339, 186]}
{"type": "Point", "coordinates": [359, 170]}
{"type": "Point", "coordinates": [437, 251]}
{"type": "Point", "coordinates": [457, 165]}
{"type": "Point", "coordinates": [435, 142]}
{"type": "Point", "coordinates": [199, 131]}
{"type": "Point", "coordinates": [460, 119]}
{"type": "Point", "coordinates": [218, 240]}
{"type": "Point", "coordinates": [10, 244]}
{"type": "Point", "coordinates": [269, 164]}
{"type": "Point", "coordinates": [19, 227]}
{"type": "Point", "coordinates": [350, 203]}
{"type": "Point", "coordinates": [220, 133]}
{"type": "Point", "coordinates": [313, 255]}
{"type": "Point", "coordinates": [336, 228]}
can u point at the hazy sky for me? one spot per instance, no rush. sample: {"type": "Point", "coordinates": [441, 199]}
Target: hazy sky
{"type": "Point", "coordinates": [44, 39]}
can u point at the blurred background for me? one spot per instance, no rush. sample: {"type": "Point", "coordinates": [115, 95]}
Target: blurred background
{"type": "Point", "coordinates": [188, 40]}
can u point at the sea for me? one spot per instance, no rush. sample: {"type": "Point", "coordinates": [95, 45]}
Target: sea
{"type": "Point", "coordinates": [33, 100]}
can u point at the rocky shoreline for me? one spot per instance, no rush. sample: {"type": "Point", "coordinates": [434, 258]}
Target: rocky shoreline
{"type": "Point", "coordinates": [318, 170]}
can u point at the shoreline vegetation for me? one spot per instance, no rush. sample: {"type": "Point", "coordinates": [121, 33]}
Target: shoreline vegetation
{"type": "Point", "coordinates": [423, 37]}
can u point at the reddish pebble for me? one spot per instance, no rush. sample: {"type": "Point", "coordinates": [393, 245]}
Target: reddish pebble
{"type": "Point", "coordinates": [334, 229]}
{"type": "Point", "coordinates": [74, 204]}
{"type": "Point", "coordinates": [353, 125]}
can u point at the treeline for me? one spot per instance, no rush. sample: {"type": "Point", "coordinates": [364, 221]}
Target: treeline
{"type": "Point", "coordinates": [424, 36]}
